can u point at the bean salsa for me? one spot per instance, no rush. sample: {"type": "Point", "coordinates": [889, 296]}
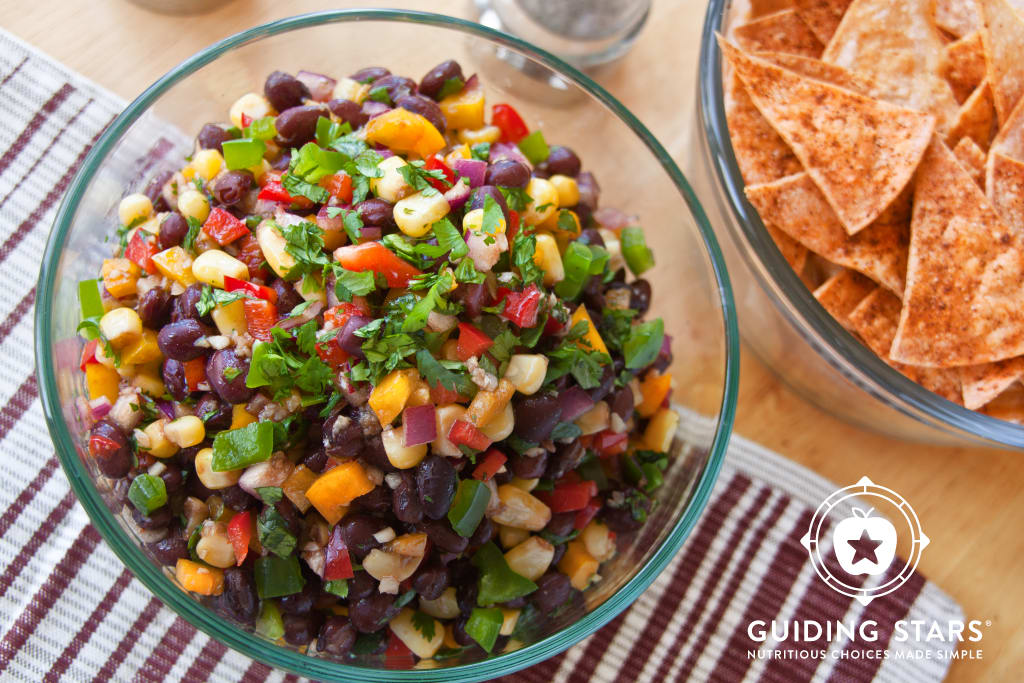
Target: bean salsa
{"type": "Point", "coordinates": [367, 375]}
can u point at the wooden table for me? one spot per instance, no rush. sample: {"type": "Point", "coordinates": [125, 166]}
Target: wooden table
{"type": "Point", "coordinates": [971, 501]}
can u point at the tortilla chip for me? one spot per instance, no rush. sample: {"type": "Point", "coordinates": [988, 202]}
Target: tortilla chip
{"type": "Point", "coordinates": [897, 45]}
{"type": "Point", "coordinates": [976, 119]}
{"type": "Point", "coordinates": [841, 293]}
{"type": "Point", "coordinates": [875, 319]}
{"type": "Point", "coordinates": [965, 65]}
{"type": "Point", "coordinates": [1004, 51]}
{"type": "Point", "coordinates": [794, 252]}
{"type": "Point", "coordinates": [982, 383]}
{"type": "Point", "coordinates": [1010, 138]}
{"type": "Point", "coordinates": [823, 16]}
{"type": "Point", "coordinates": [1008, 406]}
{"type": "Point", "coordinates": [780, 32]}
{"type": "Point", "coordinates": [759, 8]}
{"type": "Point", "coordinates": [972, 158]}
{"type": "Point", "coordinates": [761, 154]}
{"type": "Point", "coordinates": [819, 70]}
{"type": "Point", "coordinates": [962, 304]}
{"type": "Point", "coordinates": [859, 151]}
{"type": "Point", "coordinates": [959, 17]}
{"type": "Point", "coordinates": [1006, 190]}
{"type": "Point", "coordinates": [797, 207]}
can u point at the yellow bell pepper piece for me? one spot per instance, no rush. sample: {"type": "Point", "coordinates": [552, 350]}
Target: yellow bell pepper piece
{"type": "Point", "coordinates": [102, 381]}
{"type": "Point", "coordinates": [592, 339]}
{"type": "Point", "coordinates": [241, 417]}
{"type": "Point", "coordinates": [142, 350]}
{"type": "Point", "coordinates": [661, 430]}
{"type": "Point", "coordinates": [199, 578]}
{"type": "Point", "coordinates": [388, 398]}
{"type": "Point", "coordinates": [579, 565]}
{"type": "Point", "coordinates": [296, 485]}
{"type": "Point", "coordinates": [176, 264]}
{"type": "Point", "coordinates": [120, 277]}
{"type": "Point", "coordinates": [403, 131]}
{"type": "Point", "coordinates": [653, 391]}
{"type": "Point", "coordinates": [464, 109]}
{"type": "Point", "coordinates": [336, 488]}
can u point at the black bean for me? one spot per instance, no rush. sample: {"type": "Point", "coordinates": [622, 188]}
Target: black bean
{"type": "Point", "coordinates": [508, 173]}
{"type": "Point", "coordinates": [173, 373]}
{"type": "Point", "coordinates": [561, 524]}
{"type": "Point", "coordinates": [226, 373]}
{"type": "Point", "coordinates": [479, 197]}
{"type": "Point", "coordinates": [231, 187]}
{"type": "Point", "coordinates": [286, 508]}
{"type": "Point", "coordinates": [425, 107]}
{"type": "Point", "coordinates": [536, 416]}
{"type": "Point", "coordinates": [342, 437]}
{"type": "Point", "coordinates": [378, 501]}
{"type": "Point", "coordinates": [621, 402]}
{"type": "Point", "coordinates": [377, 213]}
{"type": "Point", "coordinates": [237, 499]}
{"type": "Point", "coordinates": [157, 519]}
{"type": "Point", "coordinates": [155, 190]}
{"type": "Point", "coordinates": [347, 339]}
{"type": "Point", "coordinates": [484, 533]}
{"type": "Point", "coordinates": [566, 458]}
{"type": "Point", "coordinates": [431, 84]}
{"type": "Point", "coordinates": [473, 298]}
{"type": "Point", "coordinates": [516, 603]}
{"type": "Point", "coordinates": [369, 74]}
{"type": "Point", "coordinates": [441, 534]}
{"type": "Point", "coordinates": [337, 636]}
{"type": "Point", "coordinates": [172, 477]}
{"type": "Point", "coordinates": [430, 580]}
{"type": "Point", "coordinates": [605, 387]}
{"type": "Point", "coordinates": [287, 297]}
{"type": "Point", "coordinates": [284, 91]}
{"type": "Point", "coordinates": [155, 308]}
{"type": "Point", "coordinates": [173, 229]}
{"type": "Point", "coordinates": [315, 459]}
{"type": "Point", "coordinates": [593, 293]}
{"type": "Point", "coordinates": [301, 602]}
{"type": "Point", "coordinates": [301, 629]}
{"type": "Point", "coordinates": [239, 597]}
{"type": "Point", "coordinates": [360, 585]}
{"type": "Point", "coordinates": [350, 112]}
{"type": "Point", "coordinates": [459, 632]}
{"type": "Point", "coordinates": [553, 589]}
{"type": "Point", "coordinates": [169, 549]}
{"type": "Point", "coordinates": [397, 87]}
{"type": "Point", "coordinates": [405, 501]}
{"type": "Point", "coordinates": [620, 520]}
{"type": "Point", "coordinates": [435, 481]}
{"type": "Point", "coordinates": [528, 467]}
{"type": "Point", "coordinates": [562, 161]}
{"type": "Point", "coordinates": [640, 296]}
{"type": "Point", "coordinates": [186, 457]}
{"type": "Point", "coordinates": [185, 305]}
{"type": "Point", "coordinates": [297, 125]}
{"type": "Point", "coordinates": [194, 487]}
{"type": "Point", "coordinates": [358, 531]}
{"type": "Point", "coordinates": [282, 162]}
{"type": "Point", "coordinates": [591, 236]}
{"type": "Point", "coordinates": [212, 136]}
{"type": "Point", "coordinates": [372, 613]}
{"type": "Point", "coordinates": [109, 447]}
{"type": "Point", "coordinates": [215, 413]}
{"type": "Point", "coordinates": [559, 552]}
{"type": "Point", "coordinates": [466, 593]}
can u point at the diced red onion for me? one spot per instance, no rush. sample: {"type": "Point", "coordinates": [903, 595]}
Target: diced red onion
{"type": "Point", "coordinates": [613, 219]}
{"type": "Point", "coordinates": [372, 108]}
{"type": "Point", "coordinates": [329, 224]}
{"type": "Point", "coordinates": [100, 407]}
{"type": "Point", "coordinates": [420, 424]}
{"type": "Point", "coordinates": [167, 408]}
{"type": "Point", "coordinates": [369, 233]}
{"type": "Point", "coordinates": [383, 151]}
{"type": "Point", "coordinates": [574, 402]}
{"type": "Point", "coordinates": [474, 170]}
{"type": "Point", "coordinates": [506, 150]}
{"type": "Point", "coordinates": [321, 87]}
{"type": "Point", "coordinates": [310, 312]}
{"type": "Point", "coordinates": [666, 346]}
{"type": "Point", "coordinates": [457, 195]}
{"type": "Point", "coordinates": [347, 339]}
{"type": "Point", "coordinates": [285, 219]}
{"type": "Point", "coordinates": [471, 83]}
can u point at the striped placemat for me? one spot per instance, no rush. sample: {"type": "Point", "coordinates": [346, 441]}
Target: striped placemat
{"type": "Point", "coordinates": [70, 611]}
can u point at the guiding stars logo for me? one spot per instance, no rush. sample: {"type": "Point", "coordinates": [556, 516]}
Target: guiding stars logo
{"type": "Point", "coordinates": [863, 544]}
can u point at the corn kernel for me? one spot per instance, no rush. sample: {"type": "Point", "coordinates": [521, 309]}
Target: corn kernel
{"type": "Point", "coordinates": [121, 327]}
{"type": "Point", "coordinates": [509, 619]}
{"type": "Point", "coordinates": [193, 204]}
{"type": "Point", "coordinates": [207, 163]}
{"type": "Point", "coordinates": [567, 189]}
{"type": "Point", "coordinates": [415, 214]}
{"type": "Point", "coordinates": [230, 319]}
{"type": "Point", "coordinates": [661, 430]}
{"type": "Point", "coordinates": [445, 416]}
{"type": "Point", "coordinates": [474, 220]}
{"type": "Point", "coordinates": [390, 186]}
{"type": "Point", "coordinates": [252, 104]}
{"type": "Point", "coordinates": [275, 248]}
{"type": "Point", "coordinates": [548, 259]}
{"type": "Point", "coordinates": [159, 445]}
{"type": "Point", "coordinates": [133, 208]}
{"type": "Point", "coordinates": [211, 267]}
{"type": "Point", "coordinates": [149, 383]}
{"type": "Point", "coordinates": [186, 431]}
{"type": "Point", "coordinates": [401, 456]}
{"type": "Point", "coordinates": [501, 425]}
{"type": "Point", "coordinates": [474, 137]}
{"type": "Point", "coordinates": [545, 201]}
{"type": "Point", "coordinates": [213, 480]}
{"type": "Point", "coordinates": [526, 371]}
{"type": "Point", "coordinates": [348, 89]}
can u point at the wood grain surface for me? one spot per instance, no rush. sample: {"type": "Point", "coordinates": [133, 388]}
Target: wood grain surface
{"type": "Point", "coordinates": [970, 501]}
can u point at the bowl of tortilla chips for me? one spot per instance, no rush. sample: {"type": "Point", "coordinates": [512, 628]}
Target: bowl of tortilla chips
{"type": "Point", "coordinates": [866, 158]}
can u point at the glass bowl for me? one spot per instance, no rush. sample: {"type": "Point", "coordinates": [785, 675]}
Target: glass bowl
{"type": "Point", "coordinates": [782, 322]}
{"type": "Point", "coordinates": [691, 287]}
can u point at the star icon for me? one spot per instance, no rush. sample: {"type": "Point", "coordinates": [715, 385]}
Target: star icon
{"type": "Point", "coordinates": [865, 548]}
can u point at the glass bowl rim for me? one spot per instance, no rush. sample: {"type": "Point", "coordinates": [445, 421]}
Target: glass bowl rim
{"type": "Point", "coordinates": [204, 618]}
{"type": "Point", "coordinates": [830, 339]}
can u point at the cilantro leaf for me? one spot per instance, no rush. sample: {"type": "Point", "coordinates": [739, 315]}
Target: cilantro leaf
{"type": "Point", "coordinates": [380, 94]}
{"type": "Point", "coordinates": [348, 283]}
{"type": "Point", "coordinates": [450, 239]}
{"type": "Point", "coordinates": [516, 198]}
{"type": "Point", "coordinates": [417, 318]}
{"type": "Point", "coordinates": [210, 298]}
{"type": "Point", "coordinates": [270, 494]}
{"type": "Point", "coordinates": [565, 430]}
{"type": "Point", "coordinates": [424, 624]}
{"type": "Point", "coordinates": [353, 222]}
{"type": "Point", "coordinates": [286, 363]}
{"type": "Point", "coordinates": [92, 326]}
{"type": "Point", "coordinates": [450, 87]}
{"type": "Point", "coordinates": [493, 217]}
{"type": "Point", "coordinates": [437, 374]}
{"type": "Point", "coordinates": [466, 272]}
{"type": "Point", "coordinates": [481, 151]}
{"type": "Point", "coordinates": [189, 243]}
{"type": "Point", "coordinates": [616, 324]}
{"type": "Point", "coordinates": [327, 131]}
{"type": "Point", "coordinates": [416, 176]}
{"type": "Point", "coordinates": [523, 248]}
{"type": "Point", "coordinates": [305, 243]}
{"type": "Point", "coordinates": [644, 343]}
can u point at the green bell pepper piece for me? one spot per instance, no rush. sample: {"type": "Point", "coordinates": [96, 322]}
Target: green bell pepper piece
{"type": "Point", "coordinates": [635, 251]}
{"type": "Point", "coordinates": [469, 506]}
{"type": "Point", "coordinates": [269, 623]}
{"type": "Point", "coordinates": [484, 625]}
{"type": "Point", "coordinates": [238, 448]}
{"type": "Point", "coordinates": [498, 583]}
{"type": "Point", "coordinates": [147, 493]}
{"type": "Point", "coordinates": [277, 576]}
{"type": "Point", "coordinates": [243, 153]}
{"type": "Point", "coordinates": [534, 147]}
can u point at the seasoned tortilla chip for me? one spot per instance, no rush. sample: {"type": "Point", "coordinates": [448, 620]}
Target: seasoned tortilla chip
{"type": "Point", "coordinates": [1006, 191]}
{"type": "Point", "coordinates": [962, 304]}
{"type": "Point", "coordinates": [761, 154]}
{"type": "Point", "coordinates": [841, 293]}
{"type": "Point", "coordinates": [859, 151]}
{"type": "Point", "coordinates": [1008, 406]}
{"type": "Point", "coordinates": [897, 44]}
{"type": "Point", "coordinates": [972, 158]}
{"type": "Point", "coordinates": [819, 70]}
{"type": "Point", "coordinates": [823, 16]}
{"type": "Point", "coordinates": [1010, 138]}
{"type": "Point", "coordinates": [976, 118]}
{"type": "Point", "coordinates": [965, 65]}
{"type": "Point", "coordinates": [759, 8]}
{"type": "Point", "coordinates": [959, 17]}
{"type": "Point", "coordinates": [780, 32]}
{"type": "Point", "coordinates": [794, 252]}
{"type": "Point", "coordinates": [982, 383]}
{"type": "Point", "coordinates": [875, 319]}
{"type": "Point", "coordinates": [796, 206]}
{"type": "Point", "coordinates": [1004, 52]}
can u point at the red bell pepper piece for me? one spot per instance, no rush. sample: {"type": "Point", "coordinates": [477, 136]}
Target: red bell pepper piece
{"type": "Point", "coordinates": [260, 316]}
{"type": "Point", "coordinates": [232, 284]}
{"type": "Point", "coordinates": [223, 227]}
{"type": "Point", "coordinates": [273, 191]}
{"type": "Point", "coordinates": [435, 164]}
{"type": "Point", "coordinates": [489, 466]}
{"type": "Point", "coordinates": [441, 396]}
{"type": "Point", "coordinates": [240, 533]}
{"type": "Point", "coordinates": [505, 117]}
{"type": "Point", "coordinates": [520, 307]}
{"type": "Point", "coordinates": [464, 433]}
{"type": "Point", "coordinates": [337, 563]}
{"type": "Point", "coordinates": [472, 342]}
{"type": "Point", "coordinates": [572, 497]}
{"type": "Point", "coordinates": [398, 655]}
{"type": "Point", "coordinates": [246, 120]}
{"type": "Point", "coordinates": [513, 225]}
{"type": "Point", "coordinates": [608, 443]}
{"type": "Point", "coordinates": [195, 373]}
{"type": "Point", "coordinates": [101, 446]}
{"type": "Point", "coordinates": [589, 511]}
{"type": "Point", "coordinates": [88, 354]}
{"type": "Point", "coordinates": [339, 186]}
{"type": "Point", "coordinates": [251, 255]}
{"type": "Point", "coordinates": [375, 257]}
{"type": "Point", "coordinates": [140, 252]}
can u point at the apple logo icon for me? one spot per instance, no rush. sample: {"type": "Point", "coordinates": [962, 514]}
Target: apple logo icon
{"type": "Point", "coordinates": [864, 544]}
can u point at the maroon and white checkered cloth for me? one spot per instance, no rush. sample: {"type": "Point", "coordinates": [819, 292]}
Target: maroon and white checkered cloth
{"type": "Point", "coordinates": [70, 611]}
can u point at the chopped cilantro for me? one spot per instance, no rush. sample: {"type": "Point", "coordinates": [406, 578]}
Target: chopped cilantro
{"type": "Point", "coordinates": [467, 273]}
{"type": "Point", "coordinates": [523, 248]}
{"type": "Point", "coordinates": [380, 94]}
{"type": "Point", "coordinates": [450, 87]}
{"type": "Point", "coordinates": [270, 494]}
{"type": "Point", "coordinates": [450, 239]}
{"type": "Point", "coordinates": [92, 328]}
{"type": "Point", "coordinates": [481, 151]}
{"type": "Point", "coordinates": [210, 298]}
{"type": "Point", "coordinates": [616, 324]}
{"type": "Point", "coordinates": [327, 131]}
{"type": "Point", "coordinates": [188, 244]}
{"type": "Point", "coordinates": [584, 365]}
{"type": "Point", "coordinates": [565, 430]}
{"type": "Point", "coordinates": [437, 374]}
{"type": "Point", "coordinates": [424, 624]}
{"type": "Point", "coordinates": [306, 245]}
{"type": "Point", "coordinates": [348, 283]}
{"type": "Point", "coordinates": [287, 363]}
{"type": "Point", "coordinates": [416, 176]}
{"type": "Point", "coordinates": [353, 222]}
{"type": "Point", "coordinates": [516, 198]}
{"type": "Point", "coordinates": [644, 343]}
{"type": "Point", "coordinates": [493, 217]}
